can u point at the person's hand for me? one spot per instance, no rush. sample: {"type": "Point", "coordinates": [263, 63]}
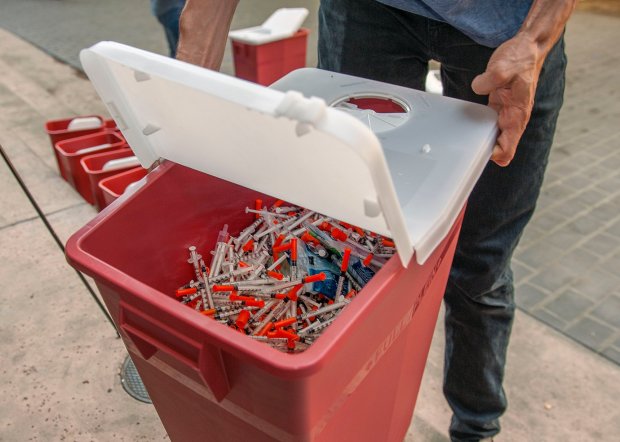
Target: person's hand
{"type": "Point", "coordinates": [510, 82]}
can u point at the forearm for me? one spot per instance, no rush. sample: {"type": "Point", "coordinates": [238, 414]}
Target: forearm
{"type": "Point", "coordinates": [545, 23]}
{"type": "Point", "coordinates": [204, 27]}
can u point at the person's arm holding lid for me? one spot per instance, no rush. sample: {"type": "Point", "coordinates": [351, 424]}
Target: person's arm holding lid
{"type": "Point", "coordinates": [204, 27]}
{"type": "Point", "coordinates": [512, 73]}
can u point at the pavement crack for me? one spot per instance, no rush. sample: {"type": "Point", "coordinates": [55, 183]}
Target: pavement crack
{"type": "Point", "coordinates": [21, 221]}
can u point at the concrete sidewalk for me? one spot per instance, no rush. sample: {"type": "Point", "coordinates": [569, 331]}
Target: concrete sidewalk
{"type": "Point", "coordinates": [60, 358]}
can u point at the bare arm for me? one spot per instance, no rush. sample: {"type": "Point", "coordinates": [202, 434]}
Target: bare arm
{"type": "Point", "coordinates": [204, 27]}
{"type": "Point", "coordinates": [512, 73]}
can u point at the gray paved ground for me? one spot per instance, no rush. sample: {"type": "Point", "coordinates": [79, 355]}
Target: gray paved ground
{"type": "Point", "coordinates": [568, 263]}
{"type": "Point", "coordinates": [60, 359]}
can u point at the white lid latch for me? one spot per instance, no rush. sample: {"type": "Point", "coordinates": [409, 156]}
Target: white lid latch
{"type": "Point", "coordinates": [307, 111]}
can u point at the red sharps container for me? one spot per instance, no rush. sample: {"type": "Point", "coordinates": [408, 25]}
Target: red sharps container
{"type": "Point", "coordinates": [266, 53]}
{"type": "Point", "coordinates": [405, 174]}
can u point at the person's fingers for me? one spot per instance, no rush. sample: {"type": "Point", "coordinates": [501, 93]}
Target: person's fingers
{"type": "Point", "coordinates": [498, 156]}
{"type": "Point", "coordinates": [483, 84]}
{"type": "Point", "coordinates": [490, 80]}
{"type": "Point", "coordinates": [511, 123]}
{"type": "Point", "coordinates": [508, 140]}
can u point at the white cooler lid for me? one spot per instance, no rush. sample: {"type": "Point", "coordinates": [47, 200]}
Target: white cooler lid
{"type": "Point", "coordinates": [298, 149]}
{"type": "Point", "coordinates": [281, 24]}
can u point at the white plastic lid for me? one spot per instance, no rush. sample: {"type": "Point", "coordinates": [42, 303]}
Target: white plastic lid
{"type": "Point", "coordinates": [297, 148]}
{"type": "Point", "coordinates": [281, 24]}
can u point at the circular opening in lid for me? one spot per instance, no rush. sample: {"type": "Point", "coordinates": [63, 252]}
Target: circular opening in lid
{"type": "Point", "coordinates": [379, 103]}
{"type": "Point", "coordinates": [381, 113]}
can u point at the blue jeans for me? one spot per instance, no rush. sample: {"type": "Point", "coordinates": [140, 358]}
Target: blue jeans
{"type": "Point", "coordinates": [170, 22]}
{"type": "Point", "coordinates": [371, 40]}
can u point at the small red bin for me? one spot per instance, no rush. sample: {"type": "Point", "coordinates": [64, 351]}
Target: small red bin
{"type": "Point", "coordinates": [113, 187]}
{"type": "Point", "coordinates": [58, 130]}
{"type": "Point", "coordinates": [266, 63]}
{"type": "Point", "coordinates": [93, 165]}
{"type": "Point", "coordinates": [70, 153]}
{"type": "Point", "coordinates": [110, 124]}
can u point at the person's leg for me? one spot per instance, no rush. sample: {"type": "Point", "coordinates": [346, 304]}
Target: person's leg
{"type": "Point", "coordinates": [170, 22]}
{"type": "Point", "coordinates": [479, 298]}
{"type": "Point", "coordinates": [371, 40]}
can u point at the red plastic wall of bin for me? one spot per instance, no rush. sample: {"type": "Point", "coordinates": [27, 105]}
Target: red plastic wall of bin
{"type": "Point", "coordinates": [92, 165]}
{"type": "Point", "coordinates": [358, 381]}
{"type": "Point", "coordinates": [110, 124]}
{"type": "Point", "coordinates": [70, 160]}
{"type": "Point", "coordinates": [266, 63]}
{"type": "Point", "coordinates": [57, 131]}
{"type": "Point", "coordinates": [113, 187]}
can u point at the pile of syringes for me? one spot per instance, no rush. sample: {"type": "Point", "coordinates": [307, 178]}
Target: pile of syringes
{"type": "Point", "coordinates": [284, 278]}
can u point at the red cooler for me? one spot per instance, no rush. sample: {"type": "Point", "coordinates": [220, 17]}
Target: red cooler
{"type": "Point", "coordinates": [235, 142]}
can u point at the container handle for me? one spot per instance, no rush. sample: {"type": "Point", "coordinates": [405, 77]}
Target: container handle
{"type": "Point", "coordinates": [150, 335]}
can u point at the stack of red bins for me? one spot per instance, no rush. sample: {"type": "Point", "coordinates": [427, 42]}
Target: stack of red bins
{"type": "Point", "coordinates": [89, 149]}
